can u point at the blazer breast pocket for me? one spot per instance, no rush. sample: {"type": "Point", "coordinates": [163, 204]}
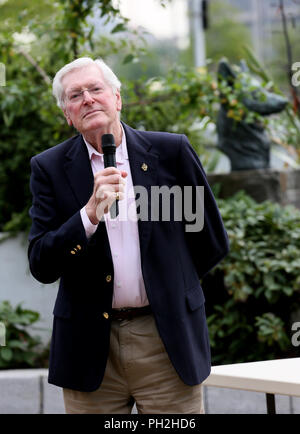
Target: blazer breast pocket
{"type": "Point", "coordinates": [195, 297]}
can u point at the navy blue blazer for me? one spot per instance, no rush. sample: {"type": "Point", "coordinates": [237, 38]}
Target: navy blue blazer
{"type": "Point", "coordinates": [172, 259]}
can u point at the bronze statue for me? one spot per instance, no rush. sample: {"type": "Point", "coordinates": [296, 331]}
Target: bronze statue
{"type": "Point", "coordinates": [247, 145]}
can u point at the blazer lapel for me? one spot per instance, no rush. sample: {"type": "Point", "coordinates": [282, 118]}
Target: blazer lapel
{"type": "Point", "coordinates": [143, 165]}
{"type": "Point", "coordinates": [79, 171]}
{"type": "Point", "coordinates": [80, 175]}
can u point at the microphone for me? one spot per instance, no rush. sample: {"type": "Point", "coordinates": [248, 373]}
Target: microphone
{"type": "Point", "coordinates": [109, 157]}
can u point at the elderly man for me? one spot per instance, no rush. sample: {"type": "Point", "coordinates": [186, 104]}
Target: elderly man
{"type": "Point", "coordinates": [129, 318]}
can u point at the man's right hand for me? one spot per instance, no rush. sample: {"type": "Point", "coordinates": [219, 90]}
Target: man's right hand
{"type": "Point", "coordinates": [107, 183]}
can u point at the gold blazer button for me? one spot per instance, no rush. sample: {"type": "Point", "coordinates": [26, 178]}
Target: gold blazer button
{"type": "Point", "coordinates": [105, 314]}
{"type": "Point", "coordinates": [144, 167]}
{"type": "Point", "coordinates": [108, 278]}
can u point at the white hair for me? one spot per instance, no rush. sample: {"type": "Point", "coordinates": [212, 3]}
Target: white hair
{"type": "Point", "coordinates": [108, 75]}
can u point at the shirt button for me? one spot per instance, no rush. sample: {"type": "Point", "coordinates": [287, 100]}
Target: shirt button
{"type": "Point", "coordinates": [105, 314]}
{"type": "Point", "coordinates": [108, 278]}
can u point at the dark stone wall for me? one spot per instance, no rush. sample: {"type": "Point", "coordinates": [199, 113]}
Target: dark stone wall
{"type": "Point", "coordinates": [263, 184]}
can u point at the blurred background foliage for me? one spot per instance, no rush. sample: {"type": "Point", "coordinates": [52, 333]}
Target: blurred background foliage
{"type": "Point", "coordinates": [161, 91]}
{"type": "Point", "coordinates": [23, 349]}
{"type": "Point", "coordinates": [251, 318]}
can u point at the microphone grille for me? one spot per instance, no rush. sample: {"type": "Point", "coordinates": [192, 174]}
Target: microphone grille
{"type": "Point", "coordinates": [108, 143]}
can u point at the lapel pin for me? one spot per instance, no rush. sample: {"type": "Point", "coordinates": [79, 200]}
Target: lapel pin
{"type": "Point", "coordinates": [144, 167]}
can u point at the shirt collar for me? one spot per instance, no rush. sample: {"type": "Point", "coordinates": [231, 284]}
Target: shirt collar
{"type": "Point", "coordinates": [121, 151]}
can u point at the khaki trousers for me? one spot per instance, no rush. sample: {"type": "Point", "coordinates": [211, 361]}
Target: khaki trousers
{"type": "Point", "coordinates": [138, 370]}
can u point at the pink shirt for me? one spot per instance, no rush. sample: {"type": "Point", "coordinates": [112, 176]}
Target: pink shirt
{"type": "Point", "coordinates": [129, 287]}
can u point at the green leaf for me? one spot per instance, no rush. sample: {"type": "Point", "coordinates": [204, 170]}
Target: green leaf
{"type": "Point", "coordinates": [119, 28]}
{"type": "Point", "coordinates": [6, 353]}
{"type": "Point", "coordinates": [17, 344]}
{"type": "Point", "coordinates": [129, 58]}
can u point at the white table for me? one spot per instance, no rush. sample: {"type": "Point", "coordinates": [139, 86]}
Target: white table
{"type": "Point", "coordinates": [272, 377]}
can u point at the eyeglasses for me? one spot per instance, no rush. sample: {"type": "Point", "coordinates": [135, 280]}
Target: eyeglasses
{"type": "Point", "coordinates": [77, 96]}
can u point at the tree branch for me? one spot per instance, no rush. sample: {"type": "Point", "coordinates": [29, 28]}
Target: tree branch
{"type": "Point", "coordinates": [31, 60]}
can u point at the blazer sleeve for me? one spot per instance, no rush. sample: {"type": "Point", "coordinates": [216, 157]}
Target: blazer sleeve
{"type": "Point", "coordinates": [210, 244]}
{"type": "Point", "coordinates": [51, 240]}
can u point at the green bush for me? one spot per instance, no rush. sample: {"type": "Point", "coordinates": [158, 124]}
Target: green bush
{"type": "Point", "coordinates": [21, 350]}
{"type": "Point", "coordinates": [251, 318]}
